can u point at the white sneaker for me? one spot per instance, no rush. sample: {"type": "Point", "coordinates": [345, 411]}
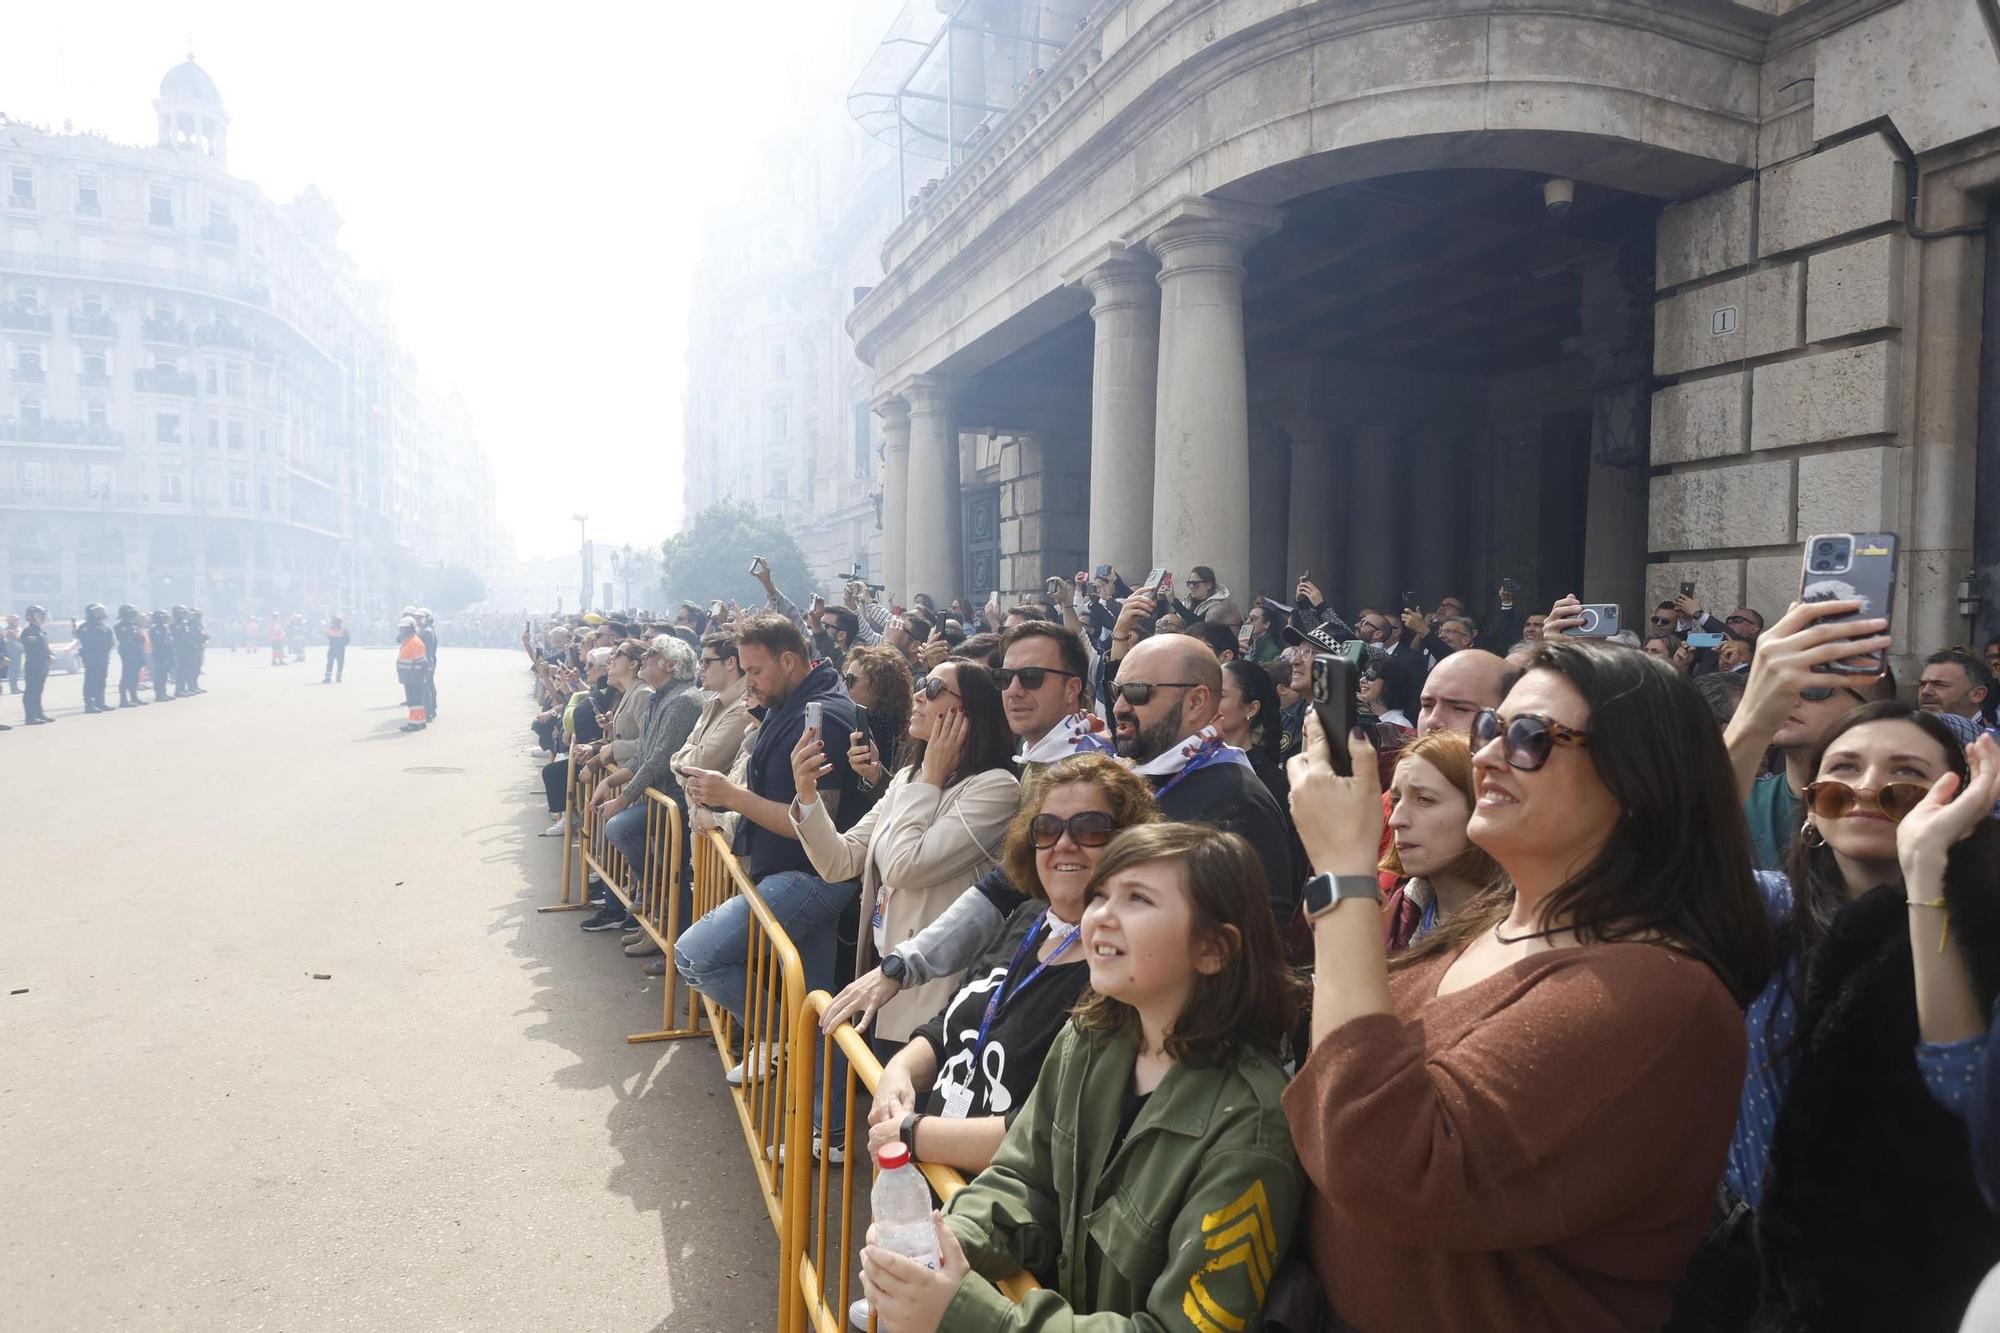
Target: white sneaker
{"type": "Point", "coordinates": [554, 830]}
{"type": "Point", "coordinates": [734, 1078]}
{"type": "Point", "coordinates": [834, 1153]}
{"type": "Point", "coordinates": [857, 1315]}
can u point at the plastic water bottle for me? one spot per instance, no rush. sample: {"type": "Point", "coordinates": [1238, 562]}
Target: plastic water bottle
{"type": "Point", "coordinates": [902, 1204]}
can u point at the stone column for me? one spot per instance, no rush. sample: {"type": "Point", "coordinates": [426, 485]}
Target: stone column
{"type": "Point", "coordinates": [935, 553]}
{"type": "Point", "coordinates": [1311, 523]}
{"type": "Point", "coordinates": [1270, 476]}
{"type": "Point", "coordinates": [895, 414]}
{"type": "Point", "coordinates": [1370, 576]}
{"type": "Point", "coordinates": [1201, 431]}
{"type": "Point", "coordinates": [1124, 369]}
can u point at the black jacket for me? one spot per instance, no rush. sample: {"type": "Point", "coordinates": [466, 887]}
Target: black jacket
{"type": "Point", "coordinates": [1870, 1218]}
{"type": "Point", "coordinates": [93, 640]}
{"type": "Point", "coordinates": [130, 643]}
{"type": "Point", "coordinates": [770, 771]}
{"type": "Point", "coordinates": [34, 647]}
{"type": "Point", "coordinates": [1234, 798]}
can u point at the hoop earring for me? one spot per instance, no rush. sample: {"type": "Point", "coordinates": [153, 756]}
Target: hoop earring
{"type": "Point", "coordinates": [1809, 834]}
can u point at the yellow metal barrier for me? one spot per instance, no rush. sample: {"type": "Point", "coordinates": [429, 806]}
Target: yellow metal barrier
{"type": "Point", "coordinates": [572, 845]}
{"type": "Point", "coordinates": [820, 1253]}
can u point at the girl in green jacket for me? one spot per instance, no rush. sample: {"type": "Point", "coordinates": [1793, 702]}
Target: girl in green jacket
{"type": "Point", "coordinates": [1149, 1182]}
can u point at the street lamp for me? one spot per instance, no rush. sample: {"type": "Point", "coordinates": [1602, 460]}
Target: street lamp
{"type": "Point", "coordinates": [583, 555]}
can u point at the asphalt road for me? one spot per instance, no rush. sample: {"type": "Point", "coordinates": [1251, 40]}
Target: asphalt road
{"type": "Point", "coordinates": [449, 1132]}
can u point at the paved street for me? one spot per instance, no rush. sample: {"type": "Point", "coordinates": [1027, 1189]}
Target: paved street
{"type": "Point", "coordinates": [450, 1132]}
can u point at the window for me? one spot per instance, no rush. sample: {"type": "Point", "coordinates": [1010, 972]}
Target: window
{"type": "Point", "coordinates": [239, 493]}
{"type": "Point", "coordinates": [96, 414]}
{"type": "Point", "coordinates": [778, 361]}
{"type": "Point", "coordinates": [263, 494]}
{"type": "Point", "coordinates": [36, 477]}
{"type": "Point", "coordinates": [232, 380]}
{"type": "Point", "coordinates": [218, 215]}
{"type": "Point", "coordinates": [864, 443]}
{"type": "Point", "coordinates": [781, 421]}
{"type": "Point", "coordinates": [170, 487]}
{"type": "Point", "coordinates": [99, 482]}
{"type": "Point", "coordinates": [263, 439]}
{"type": "Point", "coordinates": [214, 374]}
{"type": "Point", "coordinates": [31, 411]}
{"type": "Point", "coordinates": [161, 211]}
{"type": "Point", "coordinates": [93, 307]}
{"type": "Point", "coordinates": [167, 428]}
{"type": "Point", "coordinates": [23, 191]}
{"type": "Point", "coordinates": [236, 435]}
{"type": "Point", "coordinates": [214, 435]}
{"type": "Point", "coordinates": [86, 192]}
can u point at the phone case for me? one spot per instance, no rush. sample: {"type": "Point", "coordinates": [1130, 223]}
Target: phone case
{"type": "Point", "coordinates": [1334, 680]}
{"type": "Point", "coordinates": [1605, 625]}
{"type": "Point", "coordinates": [1870, 578]}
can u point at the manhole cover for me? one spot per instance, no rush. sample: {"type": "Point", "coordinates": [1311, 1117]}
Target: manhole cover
{"type": "Point", "coordinates": [433, 770]}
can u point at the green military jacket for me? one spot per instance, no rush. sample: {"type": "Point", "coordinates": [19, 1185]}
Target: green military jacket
{"type": "Point", "coordinates": [1182, 1228]}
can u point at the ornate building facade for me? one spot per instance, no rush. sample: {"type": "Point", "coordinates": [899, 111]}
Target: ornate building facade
{"type": "Point", "coordinates": [201, 404]}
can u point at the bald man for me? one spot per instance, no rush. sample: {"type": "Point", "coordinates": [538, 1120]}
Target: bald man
{"type": "Point", "coordinates": [1168, 688]}
{"type": "Point", "coordinates": [1459, 687]}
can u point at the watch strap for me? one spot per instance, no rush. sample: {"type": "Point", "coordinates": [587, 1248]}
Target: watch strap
{"type": "Point", "coordinates": [907, 1131]}
{"type": "Point", "coordinates": [1326, 892]}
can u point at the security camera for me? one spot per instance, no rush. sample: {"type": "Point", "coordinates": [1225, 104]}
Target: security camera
{"type": "Point", "coordinates": [1558, 194]}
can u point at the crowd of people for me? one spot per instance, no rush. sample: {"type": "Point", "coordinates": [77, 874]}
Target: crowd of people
{"type": "Point", "coordinates": [1588, 983]}
{"type": "Point", "coordinates": [165, 650]}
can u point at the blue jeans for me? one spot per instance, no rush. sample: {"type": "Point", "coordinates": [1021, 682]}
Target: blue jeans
{"type": "Point", "coordinates": [712, 955]}
{"type": "Point", "coordinates": [626, 831]}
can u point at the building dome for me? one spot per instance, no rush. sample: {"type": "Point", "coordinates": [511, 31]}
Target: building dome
{"type": "Point", "coordinates": [189, 82]}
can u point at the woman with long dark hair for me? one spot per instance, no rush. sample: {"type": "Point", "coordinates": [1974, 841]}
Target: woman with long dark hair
{"type": "Point", "coordinates": [1519, 1123]}
{"type": "Point", "coordinates": [1863, 1048]}
{"type": "Point", "coordinates": [1248, 719]}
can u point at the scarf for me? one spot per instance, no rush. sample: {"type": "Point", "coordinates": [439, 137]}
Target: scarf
{"type": "Point", "coordinates": [1204, 749]}
{"type": "Point", "coordinates": [1076, 734]}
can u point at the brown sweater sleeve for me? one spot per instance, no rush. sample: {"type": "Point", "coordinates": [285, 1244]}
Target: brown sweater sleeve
{"type": "Point", "coordinates": [1527, 1108]}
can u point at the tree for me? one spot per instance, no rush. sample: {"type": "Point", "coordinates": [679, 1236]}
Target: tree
{"type": "Point", "coordinates": [450, 588]}
{"type": "Point", "coordinates": [709, 559]}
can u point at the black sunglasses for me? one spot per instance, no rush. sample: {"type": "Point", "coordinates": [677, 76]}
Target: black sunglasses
{"type": "Point", "coordinates": [851, 679]}
{"type": "Point", "coordinates": [932, 686]}
{"type": "Point", "coordinates": [1531, 738]}
{"type": "Point", "coordinates": [1819, 694]}
{"type": "Point", "coordinates": [1140, 692]}
{"type": "Point", "coordinates": [1092, 828]}
{"type": "Point", "coordinates": [1031, 678]}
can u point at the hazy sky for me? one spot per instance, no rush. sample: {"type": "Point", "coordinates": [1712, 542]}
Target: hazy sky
{"type": "Point", "coordinates": [529, 182]}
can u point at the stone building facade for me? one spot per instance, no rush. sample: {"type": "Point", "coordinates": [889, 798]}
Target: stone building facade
{"type": "Point", "coordinates": [201, 403]}
{"type": "Point", "coordinates": [1420, 294]}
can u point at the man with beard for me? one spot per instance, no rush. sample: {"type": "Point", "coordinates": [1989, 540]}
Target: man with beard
{"type": "Point", "coordinates": [131, 656]}
{"type": "Point", "coordinates": [1168, 691]}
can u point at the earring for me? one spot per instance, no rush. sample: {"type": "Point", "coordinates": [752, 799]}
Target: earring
{"type": "Point", "coordinates": [1810, 834]}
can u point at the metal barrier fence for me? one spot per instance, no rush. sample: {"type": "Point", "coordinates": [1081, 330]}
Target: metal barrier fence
{"type": "Point", "coordinates": [577, 792]}
{"type": "Point", "coordinates": [820, 1248]}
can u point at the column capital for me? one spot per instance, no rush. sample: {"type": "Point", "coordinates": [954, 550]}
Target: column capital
{"type": "Point", "coordinates": [1197, 232]}
{"type": "Point", "coordinates": [926, 393]}
{"type": "Point", "coordinates": [1116, 275]}
{"type": "Point", "coordinates": [891, 408]}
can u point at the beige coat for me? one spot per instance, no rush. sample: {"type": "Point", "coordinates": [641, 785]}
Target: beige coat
{"type": "Point", "coordinates": [717, 734]}
{"type": "Point", "coordinates": [627, 720]}
{"type": "Point", "coordinates": [914, 852]}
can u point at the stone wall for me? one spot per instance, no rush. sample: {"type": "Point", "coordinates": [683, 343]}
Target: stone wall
{"type": "Point", "coordinates": [1778, 325]}
{"type": "Point", "coordinates": [1044, 512]}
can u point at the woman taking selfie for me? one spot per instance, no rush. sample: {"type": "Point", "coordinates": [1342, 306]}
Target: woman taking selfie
{"type": "Point", "coordinates": [1520, 1126]}
{"type": "Point", "coordinates": [1863, 1048]}
{"type": "Point", "coordinates": [939, 823]}
{"type": "Point", "coordinates": [1430, 803]}
{"type": "Point", "coordinates": [1149, 1178]}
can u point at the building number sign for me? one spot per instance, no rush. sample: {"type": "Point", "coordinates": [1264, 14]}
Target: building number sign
{"type": "Point", "coordinates": [1723, 321]}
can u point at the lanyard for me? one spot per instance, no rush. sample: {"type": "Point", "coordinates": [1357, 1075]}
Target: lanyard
{"type": "Point", "coordinates": [999, 996]}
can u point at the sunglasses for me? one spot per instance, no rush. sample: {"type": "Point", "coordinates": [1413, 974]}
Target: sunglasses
{"type": "Point", "coordinates": [1819, 694]}
{"type": "Point", "coordinates": [711, 661]}
{"type": "Point", "coordinates": [851, 679]}
{"type": "Point", "coordinates": [1031, 678]}
{"type": "Point", "coordinates": [1139, 693]}
{"type": "Point", "coordinates": [1530, 738]}
{"type": "Point", "coordinates": [1664, 622]}
{"type": "Point", "coordinates": [1092, 828]}
{"type": "Point", "coordinates": [932, 686]}
{"type": "Point", "coordinates": [1738, 620]}
{"type": "Point", "coordinates": [1835, 800]}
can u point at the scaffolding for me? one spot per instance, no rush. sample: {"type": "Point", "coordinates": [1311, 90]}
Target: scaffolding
{"type": "Point", "coordinates": [948, 70]}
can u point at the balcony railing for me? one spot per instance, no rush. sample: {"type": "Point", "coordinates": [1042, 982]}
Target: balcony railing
{"type": "Point", "coordinates": [43, 498]}
{"type": "Point", "coordinates": [28, 375]}
{"type": "Point", "coordinates": [92, 326]}
{"type": "Point", "coordinates": [20, 201]}
{"type": "Point", "coordinates": [52, 430]}
{"type": "Point", "coordinates": [158, 330]}
{"type": "Point", "coordinates": [166, 381]}
{"type": "Point", "coordinates": [21, 261]}
{"type": "Point", "coordinates": [32, 321]}
{"type": "Point", "coordinates": [88, 208]}
{"type": "Point", "coordinates": [94, 379]}
{"type": "Point", "coordinates": [221, 233]}
{"type": "Point", "coordinates": [225, 335]}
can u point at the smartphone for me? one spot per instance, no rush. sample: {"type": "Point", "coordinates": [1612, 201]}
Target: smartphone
{"type": "Point", "coordinates": [1410, 602]}
{"type": "Point", "coordinates": [1104, 570]}
{"type": "Point", "coordinates": [861, 723]}
{"type": "Point", "coordinates": [1053, 584]}
{"type": "Point", "coordinates": [1165, 587]}
{"type": "Point", "coordinates": [815, 711]}
{"type": "Point", "coordinates": [1687, 589]}
{"type": "Point", "coordinates": [1508, 586]}
{"type": "Point", "coordinates": [1600, 621]}
{"type": "Point", "coordinates": [1858, 566]}
{"type": "Point", "coordinates": [1334, 680]}
{"type": "Point", "coordinates": [1154, 579]}
{"type": "Point", "coordinates": [758, 564]}
{"type": "Point", "coordinates": [1704, 640]}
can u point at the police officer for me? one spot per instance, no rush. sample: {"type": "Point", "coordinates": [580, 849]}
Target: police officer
{"type": "Point", "coordinates": [34, 664]}
{"type": "Point", "coordinates": [199, 638]}
{"type": "Point", "coordinates": [93, 644]}
{"type": "Point", "coordinates": [427, 631]}
{"type": "Point", "coordinates": [131, 656]}
{"type": "Point", "coordinates": [160, 638]}
{"type": "Point", "coordinates": [177, 627]}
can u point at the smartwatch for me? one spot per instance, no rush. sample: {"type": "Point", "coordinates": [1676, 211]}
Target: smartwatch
{"type": "Point", "coordinates": [1326, 892]}
{"type": "Point", "coordinates": [907, 1131]}
{"type": "Point", "coordinates": [894, 968]}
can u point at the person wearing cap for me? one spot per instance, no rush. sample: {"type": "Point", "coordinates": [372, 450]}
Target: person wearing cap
{"type": "Point", "coordinates": [93, 644]}
{"type": "Point", "coordinates": [34, 665]}
{"type": "Point", "coordinates": [411, 667]}
{"type": "Point", "coordinates": [131, 656]}
{"type": "Point", "coordinates": [337, 637]}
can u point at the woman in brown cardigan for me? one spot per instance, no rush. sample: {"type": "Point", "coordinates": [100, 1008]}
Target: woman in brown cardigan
{"type": "Point", "coordinates": [1521, 1125]}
